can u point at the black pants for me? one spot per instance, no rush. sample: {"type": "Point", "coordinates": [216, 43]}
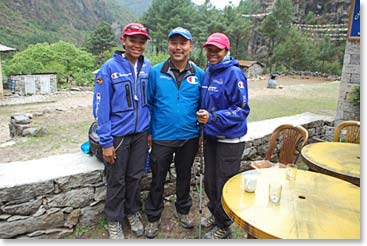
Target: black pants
{"type": "Point", "coordinates": [160, 161]}
{"type": "Point", "coordinates": [123, 178]}
{"type": "Point", "coordinates": [222, 161]}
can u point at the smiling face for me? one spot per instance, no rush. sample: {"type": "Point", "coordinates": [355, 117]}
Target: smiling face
{"type": "Point", "coordinates": [215, 55]}
{"type": "Point", "coordinates": [179, 48]}
{"type": "Point", "coordinates": [134, 46]}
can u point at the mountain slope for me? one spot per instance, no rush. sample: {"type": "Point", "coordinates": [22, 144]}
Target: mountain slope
{"type": "Point", "coordinates": [24, 22]}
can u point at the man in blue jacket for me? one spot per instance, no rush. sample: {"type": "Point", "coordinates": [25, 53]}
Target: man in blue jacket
{"type": "Point", "coordinates": [121, 111]}
{"type": "Point", "coordinates": [173, 99]}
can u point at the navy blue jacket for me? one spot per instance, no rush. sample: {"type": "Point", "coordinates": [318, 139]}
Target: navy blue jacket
{"type": "Point", "coordinates": [225, 96]}
{"type": "Point", "coordinates": [120, 101]}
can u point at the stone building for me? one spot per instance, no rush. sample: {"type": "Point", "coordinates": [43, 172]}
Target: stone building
{"type": "Point", "coordinates": [252, 69]}
{"type": "Point", "coordinates": [30, 84]}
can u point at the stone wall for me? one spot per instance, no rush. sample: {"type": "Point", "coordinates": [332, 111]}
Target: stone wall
{"type": "Point", "coordinates": [49, 197]}
{"type": "Point", "coordinates": [350, 80]}
{"type": "Point", "coordinates": [256, 148]}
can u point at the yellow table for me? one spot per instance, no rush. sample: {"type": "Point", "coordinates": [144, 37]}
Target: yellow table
{"type": "Point", "coordinates": [314, 206]}
{"type": "Point", "coordinates": [341, 160]}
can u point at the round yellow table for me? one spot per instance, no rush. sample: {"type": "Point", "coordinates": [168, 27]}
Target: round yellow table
{"type": "Point", "coordinates": [314, 206]}
{"type": "Point", "coordinates": [341, 160]}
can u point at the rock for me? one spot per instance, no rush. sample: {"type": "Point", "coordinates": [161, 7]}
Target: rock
{"type": "Point", "coordinates": [21, 118]}
{"type": "Point", "coordinates": [27, 208]}
{"type": "Point", "coordinates": [73, 218]}
{"type": "Point", "coordinates": [31, 131]}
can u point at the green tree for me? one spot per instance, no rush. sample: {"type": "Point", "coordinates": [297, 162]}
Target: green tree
{"type": "Point", "coordinates": [100, 40]}
{"type": "Point", "coordinates": [276, 25]}
{"type": "Point", "coordinates": [238, 30]}
{"type": "Point", "coordinates": [163, 15]}
{"type": "Point", "coordinates": [71, 64]}
{"type": "Point", "coordinates": [327, 52]}
{"type": "Point", "coordinates": [295, 52]}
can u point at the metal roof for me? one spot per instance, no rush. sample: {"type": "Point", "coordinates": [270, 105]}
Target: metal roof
{"type": "Point", "coordinates": [4, 48]}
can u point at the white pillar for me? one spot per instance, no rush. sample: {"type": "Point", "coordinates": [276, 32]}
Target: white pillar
{"type": "Point", "coordinates": [1, 81]}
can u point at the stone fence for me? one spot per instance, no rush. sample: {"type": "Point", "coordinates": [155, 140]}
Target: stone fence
{"type": "Point", "coordinates": [49, 197]}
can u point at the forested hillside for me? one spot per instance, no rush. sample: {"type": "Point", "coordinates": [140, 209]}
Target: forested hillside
{"type": "Point", "coordinates": [24, 22]}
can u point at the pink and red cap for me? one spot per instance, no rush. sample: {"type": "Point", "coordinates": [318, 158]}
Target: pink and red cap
{"type": "Point", "coordinates": [219, 40]}
{"type": "Point", "coordinates": [134, 29]}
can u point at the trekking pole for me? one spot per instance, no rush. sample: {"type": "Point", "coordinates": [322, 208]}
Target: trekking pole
{"type": "Point", "coordinates": [201, 170]}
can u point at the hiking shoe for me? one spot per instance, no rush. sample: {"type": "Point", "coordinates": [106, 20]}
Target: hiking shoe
{"type": "Point", "coordinates": [185, 220]}
{"type": "Point", "coordinates": [208, 222]}
{"type": "Point", "coordinates": [135, 224]}
{"type": "Point", "coordinates": [152, 229]}
{"type": "Point", "coordinates": [115, 230]}
{"type": "Point", "coordinates": [218, 233]}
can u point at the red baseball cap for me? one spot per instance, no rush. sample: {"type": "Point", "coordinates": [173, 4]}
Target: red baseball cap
{"type": "Point", "coordinates": [134, 29]}
{"type": "Point", "coordinates": [219, 40]}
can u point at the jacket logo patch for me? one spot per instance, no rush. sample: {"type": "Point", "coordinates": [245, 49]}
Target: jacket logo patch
{"type": "Point", "coordinates": [219, 82]}
{"type": "Point", "coordinates": [99, 81]}
{"type": "Point", "coordinates": [241, 85]}
{"type": "Point", "coordinates": [212, 88]}
{"type": "Point", "coordinates": [165, 77]}
{"type": "Point", "coordinates": [117, 75]}
{"type": "Point", "coordinates": [193, 80]}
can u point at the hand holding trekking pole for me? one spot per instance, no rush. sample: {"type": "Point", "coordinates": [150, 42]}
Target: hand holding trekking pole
{"type": "Point", "coordinates": [202, 116]}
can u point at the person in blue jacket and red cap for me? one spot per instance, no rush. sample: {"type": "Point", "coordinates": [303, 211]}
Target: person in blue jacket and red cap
{"type": "Point", "coordinates": [224, 112]}
{"type": "Point", "coordinates": [121, 111]}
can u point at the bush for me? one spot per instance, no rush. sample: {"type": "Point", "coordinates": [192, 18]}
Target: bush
{"type": "Point", "coordinates": [155, 57]}
{"type": "Point", "coordinates": [331, 68]}
{"type": "Point", "coordinates": [72, 65]}
{"type": "Point", "coordinates": [356, 96]}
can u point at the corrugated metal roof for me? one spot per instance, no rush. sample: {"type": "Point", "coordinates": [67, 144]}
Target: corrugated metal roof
{"type": "Point", "coordinates": [4, 48]}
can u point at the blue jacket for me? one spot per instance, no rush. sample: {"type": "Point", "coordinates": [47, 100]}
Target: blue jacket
{"type": "Point", "coordinates": [225, 96]}
{"type": "Point", "coordinates": [173, 109]}
{"type": "Point", "coordinates": [119, 101]}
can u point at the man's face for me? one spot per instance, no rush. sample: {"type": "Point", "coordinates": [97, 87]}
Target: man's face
{"type": "Point", "coordinates": [179, 48]}
{"type": "Point", "coordinates": [135, 45]}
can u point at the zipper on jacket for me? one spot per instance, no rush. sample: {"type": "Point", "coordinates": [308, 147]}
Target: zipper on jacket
{"type": "Point", "coordinates": [144, 98]}
{"type": "Point", "coordinates": [136, 98]}
{"type": "Point", "coordinates": [128, 96]}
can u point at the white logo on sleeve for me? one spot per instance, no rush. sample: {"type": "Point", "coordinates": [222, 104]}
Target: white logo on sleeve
{"type": "Point", "coordinates": [241, 85]}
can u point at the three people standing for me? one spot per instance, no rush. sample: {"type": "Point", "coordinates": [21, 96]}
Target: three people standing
{"type": "Point", "coordinates": [134, 111]}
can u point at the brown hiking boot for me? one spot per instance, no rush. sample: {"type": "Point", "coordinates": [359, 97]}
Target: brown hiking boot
{"type": "Point", "coordinates": [152, 229]}
{"type": "Point", "coordinates": [135, 224]}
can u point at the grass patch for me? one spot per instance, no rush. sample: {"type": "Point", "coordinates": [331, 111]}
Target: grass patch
{"type": "Point", "coordinates": [318, 99]}
{"type": "Point", "coordinates": [273, 107]}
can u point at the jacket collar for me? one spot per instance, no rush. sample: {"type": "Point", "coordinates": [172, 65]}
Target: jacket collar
{"type": "Point", "coordinates": [167, 66]}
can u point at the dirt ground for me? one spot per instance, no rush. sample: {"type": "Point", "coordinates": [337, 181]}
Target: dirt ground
{"type": "Point", "coordinates": [67, 116]}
